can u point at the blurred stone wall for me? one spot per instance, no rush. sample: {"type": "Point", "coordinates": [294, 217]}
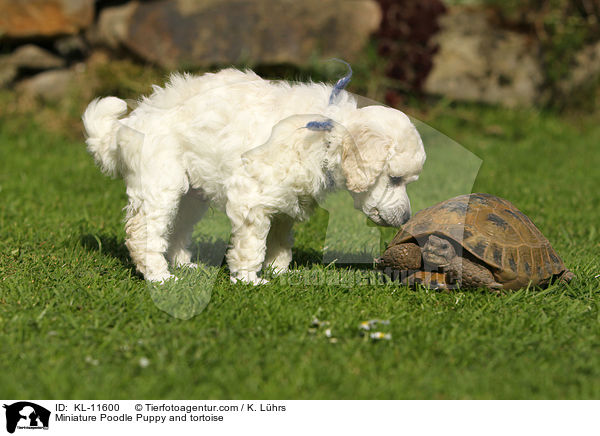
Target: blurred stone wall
{"type": "Point", "coordinates": [201, 33]}
{"type": "Point", "coordinates": [425, 46]}
{"type": "Point", "coordinates": [45, 40]}
{"type": "Point", "coordinates": [479, 61]}
{"type": "Point", "coordinates": [480, 58]}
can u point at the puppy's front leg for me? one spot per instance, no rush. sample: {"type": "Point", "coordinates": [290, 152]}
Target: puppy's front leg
{"type": "Point", "coordinates": [248, 244]}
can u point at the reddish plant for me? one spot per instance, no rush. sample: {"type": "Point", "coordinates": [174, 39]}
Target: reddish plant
{"type": "Point", "coordinates": [404, 40]}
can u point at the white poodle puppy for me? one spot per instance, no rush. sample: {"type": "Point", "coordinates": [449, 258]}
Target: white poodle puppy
{"type": "Point", "coordinates": [260, 150]}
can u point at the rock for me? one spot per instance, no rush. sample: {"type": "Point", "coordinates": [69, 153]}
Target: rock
{"type": "Point", "coordinates": [42, 18]}
{"type": "Point", "coordinates": [191, 33]}
{"type": "Point", "coordinates": [50, 85]}
{"type": "Point", "coordinates": [479, 62]}
{"type": "Point", "coordinates": [71, 47]}
{"type": "Point", "coordinates": [98, 56]}
{"type": "Point", "coordinates": [8, 72]}
{"type": "Point", "coordinates": [32, 57]}
{"type": "Point", "coordinates": [113, 26]}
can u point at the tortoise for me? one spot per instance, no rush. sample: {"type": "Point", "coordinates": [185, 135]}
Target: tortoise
{"type": "Point", "coordinates": [470, 241]}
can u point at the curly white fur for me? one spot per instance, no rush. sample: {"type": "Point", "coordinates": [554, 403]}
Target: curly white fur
{"type": "Point", "coordinates": [238, 142]}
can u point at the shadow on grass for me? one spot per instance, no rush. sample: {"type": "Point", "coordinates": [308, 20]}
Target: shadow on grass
{"type": "Point", "coordinates": [110, 246]}
{"type": "Point", "coordinates": [206, 252]}
{"type": "Point", "coordinates": [211, 253]}
{"type": "Point", "coordinates": [309, 257]}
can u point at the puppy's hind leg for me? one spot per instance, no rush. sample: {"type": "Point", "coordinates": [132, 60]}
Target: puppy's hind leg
{"type": "Point", "coordinates": [191, 208]}
{"type": "Point", "coordinates": [145, 248]}
{"type": "Point", "coordinates": [155, 183]}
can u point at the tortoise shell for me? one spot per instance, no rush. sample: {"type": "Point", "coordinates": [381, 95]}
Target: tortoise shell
{"type": "Point", "coordinates": [493, 231]}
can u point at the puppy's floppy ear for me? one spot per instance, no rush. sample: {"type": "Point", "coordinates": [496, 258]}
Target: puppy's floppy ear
{"type": "Point", "coordinates": [364, 154]}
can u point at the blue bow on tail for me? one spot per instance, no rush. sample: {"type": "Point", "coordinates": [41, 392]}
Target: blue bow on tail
{"type": "Point", "coordinates": [342, 83]}
{"type": "Point", "coordinates": [337, 88]}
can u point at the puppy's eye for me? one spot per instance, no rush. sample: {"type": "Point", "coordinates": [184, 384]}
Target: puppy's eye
{"type": "Point", "coordinates": [395, 181]}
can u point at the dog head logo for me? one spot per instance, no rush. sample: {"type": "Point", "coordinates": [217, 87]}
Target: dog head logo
{"type": "Point", "coordinates": [26, 415]}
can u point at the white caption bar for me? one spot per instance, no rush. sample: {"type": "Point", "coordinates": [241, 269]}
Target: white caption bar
{"type": "Point", "coordinates": [23, 417]}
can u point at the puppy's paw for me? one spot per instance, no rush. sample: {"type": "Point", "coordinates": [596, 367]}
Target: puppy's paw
{"type": "Point", "coordinates": [160, 279]}
{"type": "Point", "coordinates": [248, 277]}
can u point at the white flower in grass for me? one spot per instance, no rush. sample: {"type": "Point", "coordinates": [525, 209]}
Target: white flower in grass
{"type": "Point", "coordinates": [368, 325]}
{"type": "Point", "coordinates": [91, 361]}
{"type": "Point", "coordinates": [378, 336]}
{"type": "Point", "coordinates": [144, 362]}
{"type": "Point", "coordinates": [365, 325]}
{"type": "Point", "coordinates": [316, 322]}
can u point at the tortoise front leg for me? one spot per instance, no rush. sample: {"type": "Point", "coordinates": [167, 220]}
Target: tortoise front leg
{"type": "Point", "coordinates": [401, 257]}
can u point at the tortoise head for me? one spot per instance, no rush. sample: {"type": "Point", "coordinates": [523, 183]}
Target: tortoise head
{"type": "Point", "coordinates": [438, 252]}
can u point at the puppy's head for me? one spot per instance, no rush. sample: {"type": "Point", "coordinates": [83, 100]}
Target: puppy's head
{"type": "Point", "coordinates": [381, 155]}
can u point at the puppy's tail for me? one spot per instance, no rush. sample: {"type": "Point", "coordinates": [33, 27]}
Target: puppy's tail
{"type": "Point", "coordinates": [100, 120]}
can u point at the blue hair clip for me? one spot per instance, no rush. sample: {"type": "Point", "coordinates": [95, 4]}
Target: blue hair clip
{"type": "Point", "coordinates": [320, 125]}
{"type": "Point", "coordinates": [342, 83]}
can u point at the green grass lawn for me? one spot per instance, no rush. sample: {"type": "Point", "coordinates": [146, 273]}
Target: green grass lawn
{"type": "Point", "coordinates": [77, 322]}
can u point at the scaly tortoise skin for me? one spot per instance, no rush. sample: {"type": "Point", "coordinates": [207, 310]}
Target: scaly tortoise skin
{"type": "Point", "coordinates": [495, 246]}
